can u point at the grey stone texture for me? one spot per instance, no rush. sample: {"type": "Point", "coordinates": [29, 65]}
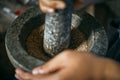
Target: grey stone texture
{"type": "Point", "coordinates": [57, 30]}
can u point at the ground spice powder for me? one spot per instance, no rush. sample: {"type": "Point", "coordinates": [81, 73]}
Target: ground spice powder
{"type": "Point", "coordinates": [35, 42]}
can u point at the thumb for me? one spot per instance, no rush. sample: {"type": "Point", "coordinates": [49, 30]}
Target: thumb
{"type": "Point", "coordinates": [51, 66]}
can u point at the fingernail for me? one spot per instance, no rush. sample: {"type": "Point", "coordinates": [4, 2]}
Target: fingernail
{"type": "Point", "coordinates": [17, 71]}
{"type": "Point", "coordinates": [41, 71]}
{"type": "Point", "coordinates": [35, 72]}
{"type": "Point", "coordinates": [50, 10]}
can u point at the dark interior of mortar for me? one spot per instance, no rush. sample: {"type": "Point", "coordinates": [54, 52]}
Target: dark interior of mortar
{"type": "Point", "coordinates": [34, 42]}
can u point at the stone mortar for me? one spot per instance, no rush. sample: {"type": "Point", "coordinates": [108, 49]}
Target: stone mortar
{"type": "Point", "coordinates": [18, 32]}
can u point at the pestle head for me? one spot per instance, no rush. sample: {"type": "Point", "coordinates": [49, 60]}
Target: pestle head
{"type": "Point", "coordinates": [57, 30]}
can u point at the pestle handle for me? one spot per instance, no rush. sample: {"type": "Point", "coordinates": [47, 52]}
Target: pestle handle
{"type": "Point", "coordinates": [57, 30]}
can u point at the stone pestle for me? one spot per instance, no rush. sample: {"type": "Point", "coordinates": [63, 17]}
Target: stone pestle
{"type": "Point", "coordinates": [57, 30]}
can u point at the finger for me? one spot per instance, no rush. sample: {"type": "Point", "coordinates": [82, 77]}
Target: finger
{"type": "Point", "coordinates": [46, 9]}
{"type": "Point", "coordinates": [53, 65]}
{"type": "Point", "coordinates": [20, 74]}
{"type": "Point", "coordinates": [59, 75]}
{"type": "Point", "coordinates": [49, 67]}
{"type": "Point", "coordinates": [18, 77]}
{"type": "Point", "coordinates": [54, 4]}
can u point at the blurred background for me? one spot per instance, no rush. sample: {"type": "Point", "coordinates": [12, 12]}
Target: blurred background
{"type": "Point", "coordinates": [9, 11]}
{"type": "Point", "coordinates": [104, 12]}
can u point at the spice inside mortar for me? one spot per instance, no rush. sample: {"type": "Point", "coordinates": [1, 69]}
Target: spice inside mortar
{"type": "Point", "coordinates": [35, 42]}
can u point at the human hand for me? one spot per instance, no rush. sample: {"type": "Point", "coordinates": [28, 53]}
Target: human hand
{"type": "Point", "coordinates": [49, 6]}
{"type": "Point", "coordinates": [73, 65]}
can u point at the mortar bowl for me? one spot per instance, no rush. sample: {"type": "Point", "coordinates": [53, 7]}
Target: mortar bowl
{"type": "Point", "coordinates": [18, 32]}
